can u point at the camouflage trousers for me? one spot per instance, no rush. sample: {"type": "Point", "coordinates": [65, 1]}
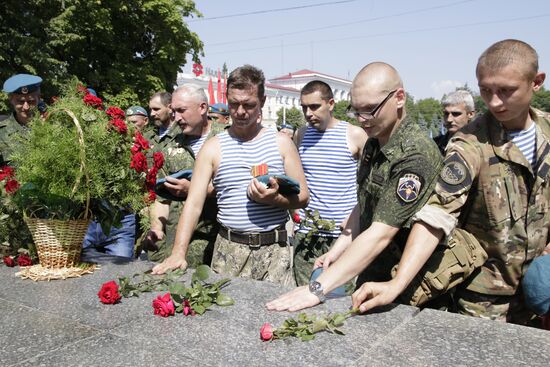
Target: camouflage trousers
{"type": "Point", "coordinates": [199, 251]}
{"type": "Point", "coordinates": [268, 262]}
{"type": "Point", "coordinates": [487, 306]}
{"type": "Point", "coordinates": [306, 251]}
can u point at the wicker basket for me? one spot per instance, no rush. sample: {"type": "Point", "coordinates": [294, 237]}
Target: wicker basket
{"type": "Point", "coordinates": [58, 242]}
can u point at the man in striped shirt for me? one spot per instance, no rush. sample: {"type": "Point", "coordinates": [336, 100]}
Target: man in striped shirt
{"type": "Point", "coordinates": [252, 241]}
{"type": "Point", "coordinates": [329, 150]}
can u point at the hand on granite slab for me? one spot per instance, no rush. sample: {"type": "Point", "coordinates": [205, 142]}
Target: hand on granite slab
{"type": "Point", "coordinates": [295, 300]}
{"type": "Point", "coordinates": [170, 263]}
{"type": "Point", "coordinates": [374, 294]}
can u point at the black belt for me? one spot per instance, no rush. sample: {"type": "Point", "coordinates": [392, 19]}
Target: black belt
{"type": "Point", "coordinates": [254, 239]}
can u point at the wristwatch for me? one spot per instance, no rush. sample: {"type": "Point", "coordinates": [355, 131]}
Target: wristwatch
{"type": "Point", "coordinates": [317, 289]}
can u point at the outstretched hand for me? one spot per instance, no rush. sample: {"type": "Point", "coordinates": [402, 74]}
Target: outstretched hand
{"type": "Point", "coordinates": [295, 300]}
{"type": "Point", "coordinates": [170, 263]}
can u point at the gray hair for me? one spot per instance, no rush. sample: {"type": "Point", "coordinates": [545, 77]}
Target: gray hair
{"type": "Point", "coordinates": [193, 91]}
{"type": "Point", "coordinates": [458, 97]}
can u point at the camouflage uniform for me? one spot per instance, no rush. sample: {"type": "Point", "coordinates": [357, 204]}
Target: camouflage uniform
{"type": "Point", "coordinates": [179, 156]}
{"type": "Point", "coordinates": [14, 232]}
{"type": "Point", "coordinates": [394, 181]}
{"type": "Point", "coordinates": [489, 189]}
{"type": "Point", "coordinates": [9, 130]}
{"type": "Point", "coordinates": [270, 262]}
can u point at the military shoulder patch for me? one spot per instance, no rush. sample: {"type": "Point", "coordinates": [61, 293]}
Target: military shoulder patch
{"type": "Point", "coordinates": [454, 171]}
{"type": "Point", "coordinates": [408, 187]}
{"type": "Point", "coordinates": [455, 175]}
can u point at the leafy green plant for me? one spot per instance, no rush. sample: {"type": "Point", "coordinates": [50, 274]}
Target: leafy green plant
{"type": "Point", "coordinates": [78, 161]}
{"type": "Point", "coordinates": [316, 224]}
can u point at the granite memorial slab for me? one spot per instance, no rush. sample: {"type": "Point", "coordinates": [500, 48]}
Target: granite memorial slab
{"type": "Point", "coordinates": [436, 338]}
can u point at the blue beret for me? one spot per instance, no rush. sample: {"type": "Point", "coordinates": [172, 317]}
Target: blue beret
{"type": "Point", "coordinates": [536, 285]}
{"type": "Point", "coordinates": [22, 84]}
{"type": "Point", "coordinates": [220, 108]}
{"type": "Point", "coordinates": [136, 110]}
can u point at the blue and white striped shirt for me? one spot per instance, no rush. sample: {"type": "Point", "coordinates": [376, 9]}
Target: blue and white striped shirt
{"type": "Point", "coordinates": [526, 141]}
{"type": "Point", "coordinates": [235, 210]}
{"type": "Point", "coordinates": [331, 172]}
{"type": "Point", "coordinates": [196, 143]}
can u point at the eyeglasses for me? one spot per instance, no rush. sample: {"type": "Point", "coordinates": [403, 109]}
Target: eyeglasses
{"type": "Point", "coordinates": [370, 114]}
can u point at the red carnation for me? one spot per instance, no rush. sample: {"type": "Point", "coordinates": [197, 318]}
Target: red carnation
{"type": "Point", "coordinates": [108, 294]}
{"type": "Point", "coordinates": [158, 159]}
{"type": "Point", "coordinates": [140, 141]}
{"type": "Point", "coordinates": [296, 218]}
{"type": "Point", "coordinates": [187, 309]}
{"type": "Point", "coordinates": [93, 101]}
{"type": "Point", "coordinates": [6, 171]}
{"type": "Point", "coordinates": [135, 148]}
{"type": "Point", "coordinates": [119, 125]}
{"type": "Point", "coordinates": [164, 306]}
{"type": "Point", "coordinates": [115, 112]}
{"type": "Point", "coordinates": [151, 178]}
{"type": "Point", "coordinates": [151, 196]}
{"type": "Point", "coordinates": [12, 186]}
{"type": "Point", "coordinates": [266, 332]}
{"type": "Point", "coordinates": [8, 260]}
{"type": "Point", "coordinates": [24, 260]}
{"type": "Point", "coordinates": [139, 162]}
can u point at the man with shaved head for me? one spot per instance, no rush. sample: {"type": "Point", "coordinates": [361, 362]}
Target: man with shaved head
{"type": "Point", "coordinates": [397, 172]}
{"type": "Point", "coordinates": [493, 188]}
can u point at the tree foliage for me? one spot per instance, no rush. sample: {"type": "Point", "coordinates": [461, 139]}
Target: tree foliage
{"type": "Point", "coordinates": [130, 47]}
{"type": "Point", "coordinates": [541, 100]}
{"type": "Point", "coordinates": [339, 112]}
{"type": "Point", "coordinates": [293, 117]}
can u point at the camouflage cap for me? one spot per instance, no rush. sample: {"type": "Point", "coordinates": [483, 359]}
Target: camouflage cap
{"type": "Point", "coordinates": [536, 285]}
{"type": "Point", "coordinates": [136, 110]}
{"type": "Point", "coordinates": [22, 84]}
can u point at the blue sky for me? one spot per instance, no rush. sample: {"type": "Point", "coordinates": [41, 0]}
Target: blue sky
{"type": "Point", "coordinates": [433, 44]}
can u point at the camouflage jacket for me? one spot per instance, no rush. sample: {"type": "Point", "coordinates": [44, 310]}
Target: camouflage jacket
{"type": "Point", "coordinates": [491, 190]}
{"type": "Point", "coordinates": [178, 156]}
{"type": "Point", "coordinates": [9, 130]}
{"type": "Point", "coordinates": [396, 180]}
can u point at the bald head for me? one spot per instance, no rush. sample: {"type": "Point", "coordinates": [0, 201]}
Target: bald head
{"type": "Point", "coordinates": [379, 77]}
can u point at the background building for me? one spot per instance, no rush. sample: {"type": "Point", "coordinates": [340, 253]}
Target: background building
{"type": "Point", "coordinates": [281, 92]}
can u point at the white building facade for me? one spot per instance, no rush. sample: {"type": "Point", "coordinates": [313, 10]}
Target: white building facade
{"type": "Point", "coordinates": [281, 92]}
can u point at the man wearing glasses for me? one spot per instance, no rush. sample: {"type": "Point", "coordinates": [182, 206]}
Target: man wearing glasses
{"type": "Point", "coordinates": [397, 173]}
{"type": "Point", "coordinates": [458, 110]}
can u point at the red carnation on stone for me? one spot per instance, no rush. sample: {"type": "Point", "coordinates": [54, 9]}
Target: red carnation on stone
{"type": "Point", "coordinates": [119, 125]}
{"type": "Point", "coordinates": [24, 260]}
{"type": "Point", "coordinates": [93, 101]}
{"type": "Point", "coordinates": [115, 113]}
{"type": "Point", "coordinates": [9, 261]}
{"type": "Point", "coordinates": [187, 309]}
{"type": "Point", "coordinates": [139, 162]}
{"type": "Point", "coordinates": [164, 306]}
{"type": "Point", "coordinates": [12, 186]}
{"type": "Point", "coordinates": [266, 332]}
{"type": "Point", "coordinates": [158, 160]}
{"type": "Point", "coordinates": [108, 294]}
{"type": "Point", "coordinates": [140, 141]}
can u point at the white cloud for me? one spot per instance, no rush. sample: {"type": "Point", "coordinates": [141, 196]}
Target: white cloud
{"type": "Point", "coordinates": [442, 87]}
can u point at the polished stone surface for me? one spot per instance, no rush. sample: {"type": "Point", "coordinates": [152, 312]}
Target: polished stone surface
{"type": "Point", "coordinates": [62, 323]}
